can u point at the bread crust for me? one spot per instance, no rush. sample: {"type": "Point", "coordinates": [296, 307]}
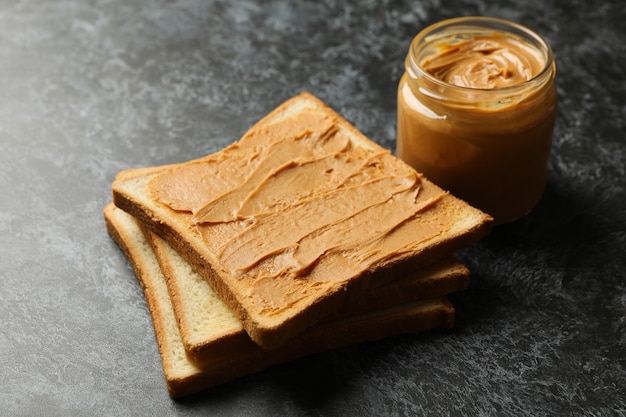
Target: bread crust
{"type": "Point", "coordinates": [436, 281]}
{"type": "Point", "coordinates": [184, 377]}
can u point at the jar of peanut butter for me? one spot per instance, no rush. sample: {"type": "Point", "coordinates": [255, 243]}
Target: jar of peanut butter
{"type": "Point", "coordinates": [476, 111]}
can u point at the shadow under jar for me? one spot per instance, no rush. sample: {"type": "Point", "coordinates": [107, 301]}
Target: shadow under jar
{"type": "Point", "coordinates": [476, 111]}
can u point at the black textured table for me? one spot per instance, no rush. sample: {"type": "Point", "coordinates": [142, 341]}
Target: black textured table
{"type": "Point", "coordinates": [88, 88]}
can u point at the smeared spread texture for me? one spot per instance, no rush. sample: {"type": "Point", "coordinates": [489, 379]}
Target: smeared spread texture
{"type": "Point", "coordinates": [486, 62]}
{"type": "Point", "coordinates": [296, 201]}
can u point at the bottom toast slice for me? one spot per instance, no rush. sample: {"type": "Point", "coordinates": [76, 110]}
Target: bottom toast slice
{"type": "Point", "coordinates": [183, 376]}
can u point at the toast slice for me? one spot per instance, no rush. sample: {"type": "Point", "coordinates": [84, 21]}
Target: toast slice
{"type": "Point", "coordinates": [209, 329]}
{"type": "Point", "coordinates": [299, 213]}
{"type": "Point", "coordinates": [184, 376]}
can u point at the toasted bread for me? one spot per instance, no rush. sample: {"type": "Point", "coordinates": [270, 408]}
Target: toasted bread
{"type": "Point", "coordinates": [209, 329]}
{"type": "Point", "coordinates": [420, 224]}
{"type": "Point", "coordinates": [183, 376]}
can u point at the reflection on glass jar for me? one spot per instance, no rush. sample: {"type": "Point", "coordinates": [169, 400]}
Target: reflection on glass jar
{"type": "Point", "coordinates": [476, 110]}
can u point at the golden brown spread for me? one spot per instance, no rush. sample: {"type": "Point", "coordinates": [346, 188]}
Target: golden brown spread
{"type": "Point", "coordinates": [484, 61]}
{"type": "Point", "coordinates": [485, 133]}
{"type": "Point", "coordinates": [296, 199]}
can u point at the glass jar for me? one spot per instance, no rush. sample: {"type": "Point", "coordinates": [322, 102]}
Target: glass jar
{"type": "Point", "coordinates": [486, 142]}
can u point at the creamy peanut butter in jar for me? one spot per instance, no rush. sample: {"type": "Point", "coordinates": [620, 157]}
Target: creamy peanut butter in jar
{"type": "Point", "coordinates": [476, 111]}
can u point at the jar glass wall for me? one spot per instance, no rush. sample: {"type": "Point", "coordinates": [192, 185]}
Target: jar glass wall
{"type": "Point", "coordinates": [484, 135]}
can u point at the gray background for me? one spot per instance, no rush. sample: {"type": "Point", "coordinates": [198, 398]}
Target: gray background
{"type": "Point", "coordinates": [88, 88]}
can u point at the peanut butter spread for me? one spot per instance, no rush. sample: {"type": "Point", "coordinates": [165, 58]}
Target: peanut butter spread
{"type": "Point", "coordinates": [297, 199]}
{"type": "Point", "coordinates": [484, 61]}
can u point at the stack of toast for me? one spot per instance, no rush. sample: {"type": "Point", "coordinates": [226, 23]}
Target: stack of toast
{"type": "Point", "coordinates": [302, 236]}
